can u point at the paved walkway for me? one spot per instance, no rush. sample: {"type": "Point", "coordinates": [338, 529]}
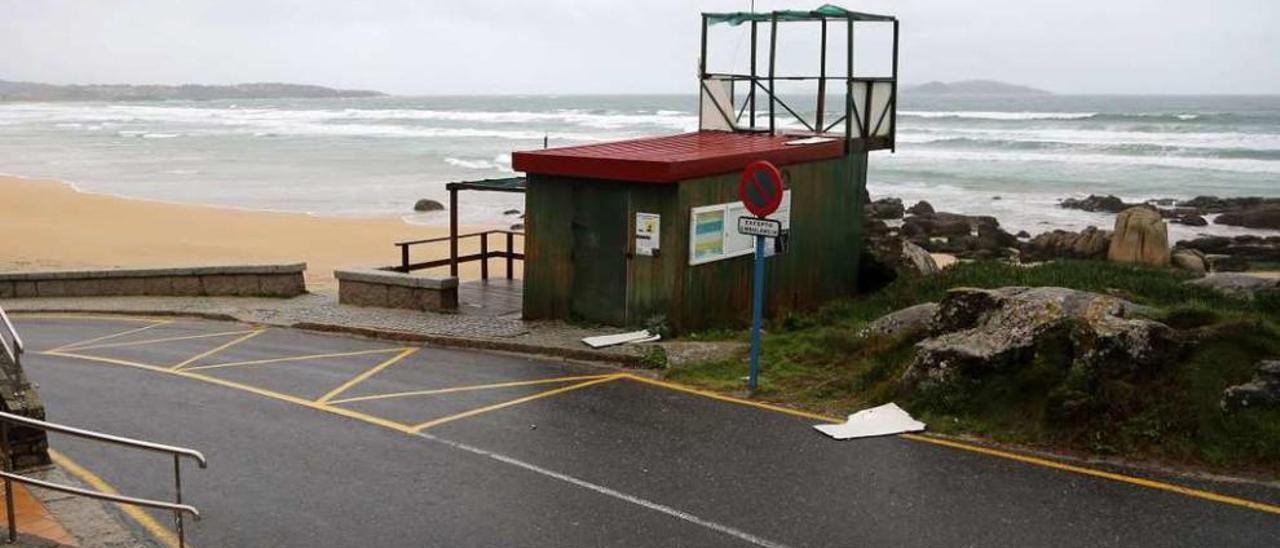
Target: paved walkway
{"type": "Point", "coordinates": [34, 520]}
{"type": "Point", "coordinates": [330, 440]}
{"type": "Point", "coordinates": [321, 310]}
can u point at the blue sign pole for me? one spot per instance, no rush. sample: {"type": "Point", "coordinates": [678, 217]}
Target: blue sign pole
{"type": "Point", "coordinates": [757, 311]}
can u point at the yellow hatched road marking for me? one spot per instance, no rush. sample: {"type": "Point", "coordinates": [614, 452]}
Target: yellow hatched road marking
{"type": "Point", "coordinates": [161, 533]}
{"type": "Point", "coordinates": [467, 388]}
{"type": "Point", "coordinates": [113, 335]}
{"type": "Point", "coordinates": [1153, 484]}
{"type": "Point", "coordinates": [400, 427]}
{"type": "Point", "coordinates": [517, 401]}
{"type": "Point", "coordinates": [296, 358]}
{"type": "Point", "coordinates": [369, 373]}
{"type": "Point", "coordinates": [165, 339]}
{"type": "Point", "coordinates": [219, 348]}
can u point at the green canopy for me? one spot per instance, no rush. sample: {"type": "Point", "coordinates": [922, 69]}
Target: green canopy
{"type": "Point", "coordinates": [827, 11]}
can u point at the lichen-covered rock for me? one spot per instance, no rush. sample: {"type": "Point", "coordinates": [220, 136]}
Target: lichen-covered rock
{"type": "Point", "coordinates": [912, 319]}
{"type": "Point", "coordinates": [1261, 391]}
{"type": "Point", "coordinates": [980, 331]}
{"type": "Point", "coordinates": [1231, 284]}
{"type": "Point", "coordinates": [1140, 236]}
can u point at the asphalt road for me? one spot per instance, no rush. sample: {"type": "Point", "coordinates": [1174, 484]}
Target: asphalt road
{"type": "Point", "coordinates": [388, 445]}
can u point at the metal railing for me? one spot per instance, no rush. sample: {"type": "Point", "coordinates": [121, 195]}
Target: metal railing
{"type": "Point", "coordinates": [7, 334]}
{"type": "Point", "coordinates": [177, 507]}
{"type": "Point", "coordinates": [509, 254]}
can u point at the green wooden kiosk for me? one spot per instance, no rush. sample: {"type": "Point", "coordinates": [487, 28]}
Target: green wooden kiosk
{"type": "Point", "coordinates": [627, 233]}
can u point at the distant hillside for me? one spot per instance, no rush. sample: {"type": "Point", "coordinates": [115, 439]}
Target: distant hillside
{"type": "Point", "coordinates": [30, 91]}
{"type": "Point", "coordinates": [974, 87]}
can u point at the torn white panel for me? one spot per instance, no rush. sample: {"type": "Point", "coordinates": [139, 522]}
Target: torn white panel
{"type": "Point", "coordinates": [654, 338]}
{"type": "Point", "coordinates": [878, 421]}
{"type": "Point", "coordinates": [611, 340]}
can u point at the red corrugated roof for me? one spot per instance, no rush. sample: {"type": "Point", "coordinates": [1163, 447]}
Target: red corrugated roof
{"type": "Point", "coordinates": [671, 158]}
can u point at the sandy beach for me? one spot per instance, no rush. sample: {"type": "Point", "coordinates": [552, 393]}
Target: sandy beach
{"type": "Point", "coordinates": [50, 225]}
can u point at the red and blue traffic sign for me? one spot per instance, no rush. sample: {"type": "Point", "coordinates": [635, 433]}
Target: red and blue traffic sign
{"type": "Point", "coordinates": [760, 188]}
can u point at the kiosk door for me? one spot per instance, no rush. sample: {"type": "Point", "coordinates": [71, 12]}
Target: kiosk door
{"type": "Point", "coordinates": [600, 227]}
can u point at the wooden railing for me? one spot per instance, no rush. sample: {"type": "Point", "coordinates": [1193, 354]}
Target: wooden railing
{"type": "Point", "coordinates": [508, 253]}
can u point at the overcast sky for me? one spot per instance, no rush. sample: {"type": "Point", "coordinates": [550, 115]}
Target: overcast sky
{"type": "Point", "coordinates": [617, 46]}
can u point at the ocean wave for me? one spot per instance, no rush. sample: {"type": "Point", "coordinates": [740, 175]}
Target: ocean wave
{"type": "Point", "coordinates": [1136, 149]}
{"type": "Point", "coordinates": [996, 115]}
{"type": "Point", "coordinates": [1209, 140]}
{"type": "Point", "coordinates": [1009, 156]}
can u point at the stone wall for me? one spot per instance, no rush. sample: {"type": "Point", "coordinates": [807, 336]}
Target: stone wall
{"type": "Point", "coordinates": [29, 446]}
{"type": "Point", "coordinates": [267, 280]}
{"type": "Point", "coordinates": [387, 289]}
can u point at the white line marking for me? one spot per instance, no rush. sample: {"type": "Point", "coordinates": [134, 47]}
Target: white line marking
{"type": "Point", "coordinates": [741, 535]}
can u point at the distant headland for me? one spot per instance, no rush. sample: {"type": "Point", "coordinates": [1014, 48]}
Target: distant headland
{"type": "Point", "coordinates": [974, 87]}
{"type": "Point", "coordinates": [32, 91]}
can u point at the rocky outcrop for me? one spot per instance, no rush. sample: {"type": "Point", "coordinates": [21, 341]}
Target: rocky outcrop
{"type": "Point", "coordinates": [1089, 243]}
{"type": "Point", "coordinates": [427, 204]}
{"type": "Point", "coordinates": [1214, 204]}
{"type": "Point", "coordinates": [886, 208]}
{"type": "Point", "coordinates": [1227, 254]}
{"type": "Point", "coordinates": [1140, 236]}
{"type": "Point", "coordinates": [1231, 284]}
{"type": "Point", "coordinates": [1095, 203]}
{"type": "Point", "coordinates": [978, 332]}
{"type": "Point", "coordinates": [1267, 216]}
{"type": "Point", "coordinates": [1263, 391]}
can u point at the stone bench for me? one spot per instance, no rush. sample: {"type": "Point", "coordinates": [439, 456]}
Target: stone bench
{"type": "Point", "coordinates": [389, 289]}
{"type": "Point", "coordinates": [260, 280]}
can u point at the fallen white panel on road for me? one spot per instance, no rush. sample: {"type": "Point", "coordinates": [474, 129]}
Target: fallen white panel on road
{"type": "Point", "coordinates": [610, 340]}
{"type": "Point", "coordinates": [878, 421]}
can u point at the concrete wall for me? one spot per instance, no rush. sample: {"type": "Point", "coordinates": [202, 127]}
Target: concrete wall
{"type": "Point", "coordinates": [387, 289]}
{"type": "Point", "coordinates": [268, 280]}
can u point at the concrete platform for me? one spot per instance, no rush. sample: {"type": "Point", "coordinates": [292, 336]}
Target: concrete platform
{"type": "Point", "coordinates": [331, 440]}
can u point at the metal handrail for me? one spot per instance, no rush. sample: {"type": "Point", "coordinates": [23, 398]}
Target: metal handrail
{"type": "Point", "coordinates": [483, 255]}
{"type": "Point", "coordinates": [18, 347]}
{"type": "Point", "coordinates": [109, 438]}
{"type": "Point", "coordinates": [177, 507]}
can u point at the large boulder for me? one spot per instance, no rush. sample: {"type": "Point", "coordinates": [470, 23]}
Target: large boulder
{"type": "Point", "coordinates": [1090, 243]}
{"type": "Point", "coordinates": [1267, 216]}
{"type": "Point", "coordinates": [1232, 284]}
{"type": "Point", "coordinates": [1261, 391]}
{"type": "Point", "coordinates": [427, 204]}
{"type": "Point", "coordinates": [977, 332]}
{"type": "Point", "coordinates": [921, 208]}
{"type": "Point", "coordinates": [1140, 236]}
{"type": "Point", "coordinates": [887, 257]}
{"type": "Point", "coordinates": [1192, 260]}
{"type": "Point", "coordinates": [886, 208]}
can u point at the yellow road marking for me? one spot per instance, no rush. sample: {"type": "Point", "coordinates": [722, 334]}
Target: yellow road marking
{"type": "Point", "coordinates": [1153, 484]}
{"type": "Point", "coordinates": [114, 335]}
{"type": "Point", "coordinates": [399, 427]}
{"type": "Point", "coordinates": [296, 358]}
{"type": "Point", "coordinates": [466, 388]}
{"type": "Point", "coordinates": [219, 348]}
{"type": "Point", "coordinates": [731, 399]}
{"type": "Point", "coordinates": [369, 373]}
{"type": "Point", "coordinates": [517, 401]}
{"type": "Point", "coordinates": [165, 339]}
{"type": "Point", "coordinates": [161, 533]}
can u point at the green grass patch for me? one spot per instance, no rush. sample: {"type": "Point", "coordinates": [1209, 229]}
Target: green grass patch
{"type": "Point", "coordinates": [821, 361]}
